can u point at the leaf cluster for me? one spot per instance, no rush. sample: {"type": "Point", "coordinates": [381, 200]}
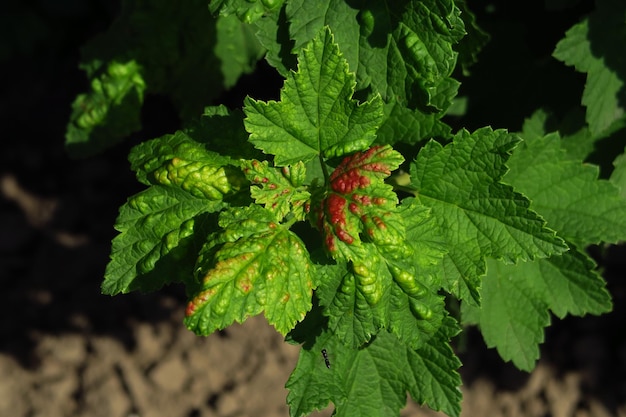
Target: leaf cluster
{"type": "Point", "coordinates": [349, 211]}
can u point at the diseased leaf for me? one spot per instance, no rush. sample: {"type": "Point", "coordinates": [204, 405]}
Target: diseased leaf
{"type": "Point", "coordinates": [161, 230]}
{"type": "Point", "coordinates": [476, 214]}
{"type": "Point", "coordinates": [261, 266]}
{"type": "Point", "coordinates": [391, 281]}
{"type": "Point", "coordinates": [278, 189]}
{"type": "Point", "coordinates": [316, 117]}
{"type": "Point", "coordinates": [359, 202]}
{"type": "Point", "coordinates": [180, 161]}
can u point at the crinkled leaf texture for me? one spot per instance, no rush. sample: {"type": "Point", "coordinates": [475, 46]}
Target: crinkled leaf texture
{"type": "Point", "coordinates": [316, 116]}
{"type": "Point", "coordinates": [254, 265]}
{"type": "Point", "coordinates": [180, 161]}
{"type": "Point", "coordinates": [478, 215]}
{"type": "Point", "coordinates": [373, 381]}
{"type": "Point", "coordinates": [161, 231]}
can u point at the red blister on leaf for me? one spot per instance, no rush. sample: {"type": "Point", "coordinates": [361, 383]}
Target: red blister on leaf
{"type": "Point", "coordinates": [357, 196]}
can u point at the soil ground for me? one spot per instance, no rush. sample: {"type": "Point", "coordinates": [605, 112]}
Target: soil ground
{"type": "Point", "coordinates": [67, 350]}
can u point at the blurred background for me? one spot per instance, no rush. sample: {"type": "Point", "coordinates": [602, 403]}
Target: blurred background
{"type": "Point", "coordinates": [67, 350]}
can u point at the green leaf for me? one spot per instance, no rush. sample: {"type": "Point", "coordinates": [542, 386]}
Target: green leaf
{"type": "Point", "coordinates": [477, 215]}
{"type": "Point", "coordinates": [516, 300]}
{"type": "Point", "coordinates": [618, 176]}
{"type": "Point", "coordinates": [109, 111]}
{"type": "Point", "coordinates": [222, 131]}
{"type": "Point", "coordinates": [473, 42]}
{"type": "Point", "coordinates": [578, 142]}
{"type": "Point", "coordinates": [280, 190]}
{"type": "Point", "coordinates": [248, 11]}
{"type": "Point", "coordinates": [567, 193]}
{"type": "Point", "coordinates": [261, 266]}
{"type": "Point", "coordinates": [161, 230]}
{"type": "Point", "coordinates": [237, 49]}
{"type": "Point", "coordinates": [594, 46]}
{"type": "Point", "coordinates": [374, 380]}
{"type": "Point", "coordinates": [316, 116]}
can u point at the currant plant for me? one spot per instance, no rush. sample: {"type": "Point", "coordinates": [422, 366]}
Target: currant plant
{"type": "Point", "coordinates": [348, 212]}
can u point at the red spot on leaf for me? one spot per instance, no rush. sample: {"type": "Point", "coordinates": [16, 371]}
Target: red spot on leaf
{"type": "Point", "coordinates": [272, 186]}
{"type": "Point", "coordinates": [344, 235]}
{"type": "Point", "coordinates": [379, 200]}
{"type": "Point", "coordinates": [335, 204]}
{"type": "Point", "coordinates": [379, 222]}
{"type": "Point", "coordinates": [197, 301]}
{"type": "Point", "coordinates": [191, 308]}
{"type": "Point", "coordinates": [364, 200]}
{"type": "Point", "coordinates": [329, 239]}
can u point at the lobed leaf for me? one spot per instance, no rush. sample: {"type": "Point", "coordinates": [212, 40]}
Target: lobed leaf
{"type": "Point", "coordinates": [359, 202]}
{"type": "Point", "coordinates": [391, 284]}
{"type": "Point", "coordinates": [316, 116]}
{"type": "Point", "coordinates": [400, 50]}
{"type": "Point", "coordinates": [516, 300]}
{"type": "Point", "coordinates": [568, 193]}
{"type": "Point", "coordinates": [476, 214]}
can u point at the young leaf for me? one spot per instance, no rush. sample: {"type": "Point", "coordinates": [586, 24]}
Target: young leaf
{"type": "Point", "coordinates": [593, 46]}
{"type": "Point", "coordinates": [374, 380]}
{"type": "Point", "coordinates": [567, 193]}
{"type": "Point", "coordinates": [316, 116]}
{"type": "Point", "coordinates": [478, 215]}
{"type": "Point", "coordinates": [160, 229]}
{"type": "Point", "coordinates": [262, 265]}
{"type": "Point", "coordinates": [516, 300]}
{"type": "Point", "coordinates": [278, 189]}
